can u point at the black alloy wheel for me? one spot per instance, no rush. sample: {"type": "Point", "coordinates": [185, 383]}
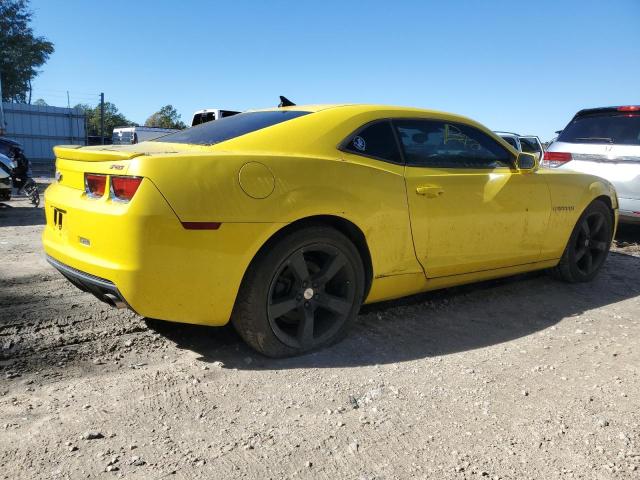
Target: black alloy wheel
{"type": "Point", "coordinates": [300, 293]}
{"type": "Point", "coordinates": [311, 296]}
{"type": "Point", "coordinates": [588, 245]}
{"type": "Point", "coordinates": [591, 243]}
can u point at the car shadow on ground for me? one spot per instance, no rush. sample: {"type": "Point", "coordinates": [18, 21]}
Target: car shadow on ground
{"type": "Point", "coordinates": [432, 324]}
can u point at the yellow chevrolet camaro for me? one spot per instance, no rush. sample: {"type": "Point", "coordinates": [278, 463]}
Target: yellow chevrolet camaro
{"type": "Point", "coordinates": [284, 221]}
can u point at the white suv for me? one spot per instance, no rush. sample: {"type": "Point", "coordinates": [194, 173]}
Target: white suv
{"type": "Point", "coordinates": [604, 142]}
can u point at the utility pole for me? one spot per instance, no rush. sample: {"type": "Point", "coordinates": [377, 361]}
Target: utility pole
{"type": "Point", "coordinates": [70, 118]}
{"type": "Point", "coordinates": [2, 123]}
{"type": "Point", "coordinates": [102, 118]}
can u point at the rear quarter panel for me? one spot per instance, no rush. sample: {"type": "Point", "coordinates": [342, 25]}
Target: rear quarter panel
{"type": "Point", "coordinates": [367, 192]}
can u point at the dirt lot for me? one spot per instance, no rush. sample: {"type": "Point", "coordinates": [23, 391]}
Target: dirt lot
{"type": "Point", "coordinates": [515, 379]}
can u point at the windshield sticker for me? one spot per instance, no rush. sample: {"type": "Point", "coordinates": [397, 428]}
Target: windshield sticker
{"type": "Point", "coordinates": [359, 143]}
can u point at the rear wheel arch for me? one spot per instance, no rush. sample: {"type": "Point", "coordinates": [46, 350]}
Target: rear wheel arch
{"type": "Point", "coordinates": [607, 201]}
{"type": "Point", "coordinates": [342, 225]}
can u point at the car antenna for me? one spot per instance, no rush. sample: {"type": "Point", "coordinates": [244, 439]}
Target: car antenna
{"type": "Point", "coordinates": [285, 102]}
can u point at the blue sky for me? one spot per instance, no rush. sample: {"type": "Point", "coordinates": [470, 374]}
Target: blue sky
{"type": "Point", "coordinates": [520, 66]}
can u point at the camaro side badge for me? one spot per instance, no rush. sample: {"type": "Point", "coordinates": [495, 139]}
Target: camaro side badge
{"type": "Point", "coordinates": [115, 166]}
{"type": "Point", "coordinates": [359, 143]}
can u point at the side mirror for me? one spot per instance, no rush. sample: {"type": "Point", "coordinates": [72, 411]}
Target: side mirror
{"type": "Point", "coordinates": [526, 162]}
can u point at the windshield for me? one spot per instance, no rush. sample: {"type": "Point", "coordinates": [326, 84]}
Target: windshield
{"type": "Point", "coordinates": [612, 128]}
{"type": "Point", "coordinates": [230, 127]}
{"type": "Point", "coordinates": [529, 145]}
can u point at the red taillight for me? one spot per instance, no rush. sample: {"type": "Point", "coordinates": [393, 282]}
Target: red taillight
{"type": "Point", "coordinates": [555, 159]}
{"type": "Point", "coordinates": [629, 108]}
{"type": "Point", "coordinates": [124, 188]}
{"type": "Point", "coordinates": [94, 184]}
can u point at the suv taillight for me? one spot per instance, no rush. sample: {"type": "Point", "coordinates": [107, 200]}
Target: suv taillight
{"type": "Point", "coordinates": [629, 108]}
{"type": "Point", "coordinates": [555, 159]}
{"type": "Point", "coordinates": [124, 188]}
{"type": "Point", "coordinates": [95, 184]}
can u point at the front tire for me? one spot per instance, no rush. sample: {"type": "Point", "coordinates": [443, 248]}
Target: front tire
{"type": "Point", "coordinates": [588, 245]}
{"type": "Point", "coordinates": [301, 294]}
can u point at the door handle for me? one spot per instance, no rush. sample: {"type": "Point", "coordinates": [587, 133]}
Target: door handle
{"type": "Point", "coordinates": [430, 191]}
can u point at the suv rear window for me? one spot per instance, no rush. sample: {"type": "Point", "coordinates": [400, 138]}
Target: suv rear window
{"type": "Point", "coordinates": [614, 128]}
{"type": "Point", "coordinates": [230, 127]}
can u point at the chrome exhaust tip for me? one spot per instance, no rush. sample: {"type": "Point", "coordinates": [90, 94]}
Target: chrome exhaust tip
{"type": "Point", "coordinates": [114, 301]}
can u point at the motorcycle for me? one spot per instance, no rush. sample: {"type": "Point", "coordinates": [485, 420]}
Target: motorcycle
{"type": "Point", "coordinates": [30, 189]}
{"type": "Point", "coordinates": [17, 166]}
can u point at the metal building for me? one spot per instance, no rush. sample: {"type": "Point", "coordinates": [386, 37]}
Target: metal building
{"type": "Point", "coordinates": [40, 128]}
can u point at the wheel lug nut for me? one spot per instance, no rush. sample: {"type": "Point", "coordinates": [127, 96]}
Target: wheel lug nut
{"type": "Point", "coordinates": [306, 304]}
{"type": "Point", "coordinates": [298, 297]}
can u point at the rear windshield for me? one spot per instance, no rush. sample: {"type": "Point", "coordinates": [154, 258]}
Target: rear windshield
{"type": "Point", "coordinates": [122, 138]}
{"type": "Point", "coordinates": [612, 128]}
{"type": "Point", "coordinates": [230, 127]}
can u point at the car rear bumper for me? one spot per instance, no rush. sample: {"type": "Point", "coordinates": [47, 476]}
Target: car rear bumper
{"type": "Point", "coordinates": [101, 288]}
{"type": "Point", "coordinates": [629, 209]}
{"type": "Point", "coordinates": [629, 217]}
{"type": "Point", "coordinates": [139, 255]}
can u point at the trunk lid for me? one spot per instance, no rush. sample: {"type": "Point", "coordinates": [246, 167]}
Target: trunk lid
{"type": "Point", "coordinates": [73, 161]}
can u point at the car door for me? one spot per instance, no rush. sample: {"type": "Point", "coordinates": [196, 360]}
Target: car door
{"type": "Point", "coordinates": [470, 209]}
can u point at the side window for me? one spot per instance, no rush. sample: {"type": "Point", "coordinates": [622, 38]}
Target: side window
{"type": "Point", "coordinates": [375, 140]}
{"type": "Point", "coordinates": [438, 144]}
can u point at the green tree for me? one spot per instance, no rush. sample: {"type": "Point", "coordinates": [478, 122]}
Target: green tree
{"type": "Point", "coordinates": [166, 117]}
{"type": "Point", "coordinates": [41, 102]}
{"type": "Point", "coordinates": [112, 118]}
{"type": "Point", "coordinates": [21, 52]}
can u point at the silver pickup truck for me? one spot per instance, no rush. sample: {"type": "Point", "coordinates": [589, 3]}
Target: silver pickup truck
{"type": "Point", "coordinates": [523, 143]}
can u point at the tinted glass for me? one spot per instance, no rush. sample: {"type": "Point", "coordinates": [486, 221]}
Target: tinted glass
{"type": "Point", "coordinates": [376, 140]}
{"type": "Point", "coordinates": [529, 145]}
{"type": "Point", "coordinates": [511, 141]}
{"type": "Point", "coordinates": [430, 143]}
{"type": "Point", "coordinates": [231, 127]}
{"type": "Point", "coordinates": [122, 138]}
{"type": "Point", "coordinates": [611, 128]}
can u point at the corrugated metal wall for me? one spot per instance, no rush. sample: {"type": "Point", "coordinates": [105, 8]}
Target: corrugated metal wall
{"type": "Point", "coordinates": [40, 128]}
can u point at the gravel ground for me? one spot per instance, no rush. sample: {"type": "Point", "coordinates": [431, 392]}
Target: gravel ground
{"type": "Point", "coordinates": [523, 378]}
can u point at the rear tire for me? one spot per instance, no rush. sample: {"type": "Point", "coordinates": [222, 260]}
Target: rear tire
{"type": "Point", "coordinates": [588, 245]}
{"type": "Point", "coordinates": [301, 294]}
